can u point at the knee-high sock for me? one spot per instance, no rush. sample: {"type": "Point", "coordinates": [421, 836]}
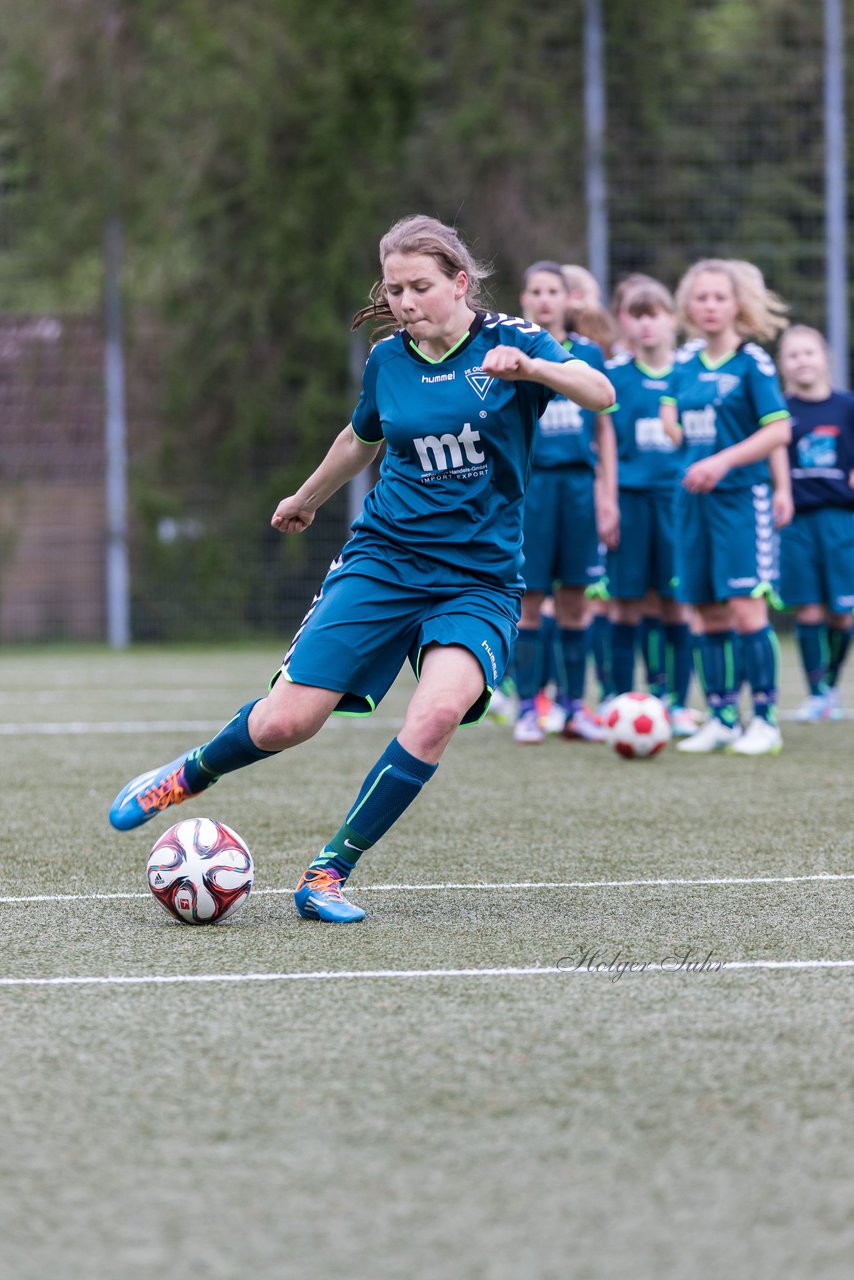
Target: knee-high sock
{"type": "Point", "coordinates": [624, 639]}
{"type": "Point", "coordinates": [652, 648]}
{"type": "Point", "coordinates": [677, 642]}
{"type": "Point", "coordinates": [388, 790]}
{"type": "Point", "coordinates": [231, 749]}
{"type": "Point", "coordinates": [599, 644]}
{"type": "Point", "coordinates": [839, 642]}
{"type": "Point", "coordinates": [761, 653]}
{"type": "Point", "coordinates": [572, 661]}
{"type": "Point", "coordinates": [717, 675]}
{"type": "Point", "coordinates": [527, 662]}
{"type": "Point", "coordinates": [815, 656]}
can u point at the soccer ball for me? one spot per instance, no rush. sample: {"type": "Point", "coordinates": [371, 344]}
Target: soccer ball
{"type": "Point", "coordinates": [637, 725]}
{"type": "Point", "coordinates": [200, 871]}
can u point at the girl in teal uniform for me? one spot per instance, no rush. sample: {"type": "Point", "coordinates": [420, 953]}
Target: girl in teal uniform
{"type": "Point", "coordinates": [725, 409]}
{"type": "Point", "coordinates": [432, 571]}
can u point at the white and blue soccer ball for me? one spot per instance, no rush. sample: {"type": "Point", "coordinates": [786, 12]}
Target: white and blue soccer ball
{"type": "Point", "coordinates": [200, 871]}
{"type": "Point", "coordinates": [637, 725]}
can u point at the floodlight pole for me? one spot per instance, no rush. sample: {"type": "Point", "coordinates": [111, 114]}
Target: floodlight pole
{"type": "Point", "coordinates": [595, 188]}
{"type": "Point", "coordinates": [836, 253]}
{"type": "Point", "coordinates": [115, 441]}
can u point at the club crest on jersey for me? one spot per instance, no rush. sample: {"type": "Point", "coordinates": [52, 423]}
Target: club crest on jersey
{"type": "Point", "coordinates": [479, 381]}
{"type": "Point", "coordinates": [727, 382]}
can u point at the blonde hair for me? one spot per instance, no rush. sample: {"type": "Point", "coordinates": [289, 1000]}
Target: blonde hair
{"type": "Point", "coordinates": [625, 287]}
{"type": "Point", "coordinates": [803, 331]}
{"type": "Point", "coordinates": [761, 312]}
{"type": "Point", "coordinates": [424, 235]}
{"type": "Point", "coordinates": [586, 315]}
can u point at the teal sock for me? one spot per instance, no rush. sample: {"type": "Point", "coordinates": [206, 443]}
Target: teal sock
{"type": "Point", "coordinates": [813, 643]}
{"type": "Point", "coordinates": [652, 648]}
{"type": "Point", "coordinates": [527, 662]}
{"type": "Point", "coordinates": [388, 790]}
{"type": "Point", "coordinates": [231, 749]}
{"type": "Point", "coordinates": [716, 671]}
{"type": "Point", "coordinates": [624, 638]}
{"type": "Point", "coordinates": [839, 642]}
{"type": "Point", "coordinates": [677, 645]}
{"type": "Point", "coordinates": [572, 661]}
{"type": "Point", "coordinates": [761, 652]}
{"type": "Point", "coordinates": [599, 644]}
{"type": "Point", "coordinates": [548, 654]}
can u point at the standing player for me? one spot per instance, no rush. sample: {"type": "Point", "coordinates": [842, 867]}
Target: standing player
{"type": "Point", "coordinates": [560, 529]}
{"type": "Point", "coordinates": [641, 563]}
{"type": "Point", "coordinates": [726, 409]}
{"type": "Point", "coordinates": [817, 549]}
{"type": "Point", "coordinates": [432, 569]}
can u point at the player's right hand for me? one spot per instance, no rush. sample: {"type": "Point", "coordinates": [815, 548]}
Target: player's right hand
{"type": "Point", "coordinates": [291, 517]}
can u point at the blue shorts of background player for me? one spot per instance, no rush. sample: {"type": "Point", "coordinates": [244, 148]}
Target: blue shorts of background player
{"type": "Point", "coordinates": [727, 545]}
{"type": "Point", "coordinates": [560, 538]}
{"type": "Point", "coordinates": [644, 559]}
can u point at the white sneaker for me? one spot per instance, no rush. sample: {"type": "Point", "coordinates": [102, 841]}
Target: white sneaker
{"type": "Point", "coordinates": [815, 707]}
{"type": "Point", "coordinates": [834, 704]}
{"type": "Point", "coordinates": [714, 735]}
{"type": "Point", "coordinates": [554, 719]}
{"type": "Point", "coordinates": [528, 729]}
{"type": "Point", "coordinates": [583, 724]}
{"type": "Point", "coordinates": [760, 738]}
{"type": "Point", "coordinates": [501, 707]}
{"type": "Point", "coordinates": [684, 722]}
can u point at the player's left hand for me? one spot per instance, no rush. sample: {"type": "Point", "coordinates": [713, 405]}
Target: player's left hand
{"type": "Point", "coordinates": [705, 475]}
{"type": "Point", "coordinates": [508, 363]}
{"type": "Point", "coordinates": [783, 508]}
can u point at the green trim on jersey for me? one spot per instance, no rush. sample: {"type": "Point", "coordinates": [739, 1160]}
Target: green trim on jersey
{"type": "Point", "coordinates": [716, 364]}
{"type": "Point", "coordinates": [654, 373]}
{"type": "Point", "coordinates": [448, 353]}
{"type": "Point", "coordinates": [777, 416]}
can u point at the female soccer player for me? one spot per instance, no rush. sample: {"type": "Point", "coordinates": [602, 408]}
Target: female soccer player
{"type": "Point", "coordinates": [641, 563]}
{"type": "Point", "coordinates": [726, 410]}
{"type": "Point", "coordinates": [817, 549]}
{"type": "Point", "coordinates": [431, 571]}
{"type": "Point", "coordinates": [560, 527]}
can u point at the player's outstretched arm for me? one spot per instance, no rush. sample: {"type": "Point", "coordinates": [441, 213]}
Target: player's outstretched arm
{"type": "Point", "coordinates": [347, 456]}
{"type": "Point", "coordinates": [703, 476]}
{"type": "Point", "coordinates": [573, 379]}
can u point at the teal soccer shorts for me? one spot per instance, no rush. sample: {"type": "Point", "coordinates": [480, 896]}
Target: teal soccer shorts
{"type": "Point", "coordinates": [560, 543]}
{"type": "Point", "coordinates": [644, 560]}
{"type": "Point", "coordinates": [817, 559]}
{"type": "Point", "coordinates": [726, 544]}
{"type": "Point", "coordinates": [360, 631]}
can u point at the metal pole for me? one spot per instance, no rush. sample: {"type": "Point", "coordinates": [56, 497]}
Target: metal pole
{"type": "Point", "coordinates": [594, 135]}
{"type": "Point", "coordinates": [836, 253]}
{"type": "Point", "coordinates": [117, 572]}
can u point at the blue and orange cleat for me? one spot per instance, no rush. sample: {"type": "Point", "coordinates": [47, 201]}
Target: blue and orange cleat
{"type": "Point", "coordinates": [147, 795]}
{"type": "Point", "coordinates": [319, 896]}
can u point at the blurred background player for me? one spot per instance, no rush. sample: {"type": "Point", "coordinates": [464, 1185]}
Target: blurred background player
{"type": "Point", "coordinates": [560, 527]}
{"type": "Point", "coordinates": [726, 410]}
{"type": "Point", "coordinates": [817, 549]}
{"type": "Point", "coordinates": [640, 562]}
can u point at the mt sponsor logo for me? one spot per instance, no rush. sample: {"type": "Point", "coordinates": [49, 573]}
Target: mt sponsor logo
{"type": "Point", "coordinates": [448, 452]}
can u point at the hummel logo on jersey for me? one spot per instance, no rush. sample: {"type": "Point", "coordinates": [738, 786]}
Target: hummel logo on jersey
{"type": "Point", "coordinates": [480, 381]}
{"type": "Point", "coordinates": [438, 377]}
{"type": "Point", "coordinates": [445, 453]}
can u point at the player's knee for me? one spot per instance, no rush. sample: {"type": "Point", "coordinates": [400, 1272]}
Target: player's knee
{"type": "Point", "coordinates": [432, 724]}
{"type": "Point", "coordinates": [277, 728]}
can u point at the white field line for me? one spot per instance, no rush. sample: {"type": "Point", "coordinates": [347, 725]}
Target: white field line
{"type": "Point", "coordinates": [345, 975]}
{"type": "Point", "coordinates": [487, 887]}
{"type": "Point", "coordinates": [72, 727]}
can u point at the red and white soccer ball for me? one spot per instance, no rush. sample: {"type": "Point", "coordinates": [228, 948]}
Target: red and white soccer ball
{"type": "Point", "coordinates": [200, 871]}
{"type": "Point", "coordinates": [637, 725]}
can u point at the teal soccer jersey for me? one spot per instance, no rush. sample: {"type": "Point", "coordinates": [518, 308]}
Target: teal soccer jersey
{"type": "Point", "coordinates": [646, 455]}
{"type": "Point", "coordinates": [566, 432]}
{"type": "Point", "coordinates": [447, 507]}
{"type": "Point", "coordinates": [720, 404]}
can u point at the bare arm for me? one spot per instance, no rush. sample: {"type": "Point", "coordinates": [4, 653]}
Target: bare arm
{"type": "Point", "coordinates": [607, 505]}
{"type": "Point", "coordinates": [670, 421]}
{"type": "Point", "coordinates": [572, 379]}
{"type": "Point", "coordinates": [347, 456]}
{"type": "Point", "coordinates": [704, 475]}
{"type": "Point", "coordinates": [781, 480]}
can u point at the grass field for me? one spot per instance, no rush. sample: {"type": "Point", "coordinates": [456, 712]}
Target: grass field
{"type": "Point", "coordinates": [442, 1091]}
